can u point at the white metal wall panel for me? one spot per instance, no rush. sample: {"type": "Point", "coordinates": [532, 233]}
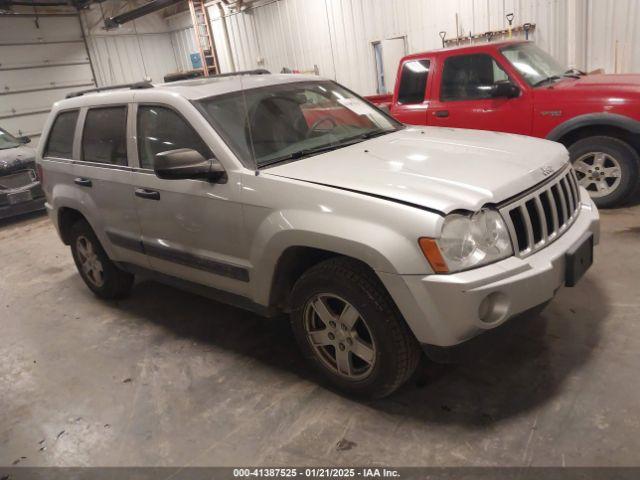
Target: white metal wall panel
{"type": "Point", "coordinates": [336, 35]}
{"type": "Point", "coordinates": [139, 49]}
{"type": "Point", "coordinates": [41, 60]}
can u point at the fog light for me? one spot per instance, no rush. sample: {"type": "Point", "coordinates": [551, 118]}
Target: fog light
{"type": "Point", "coordinates": [493, 308]}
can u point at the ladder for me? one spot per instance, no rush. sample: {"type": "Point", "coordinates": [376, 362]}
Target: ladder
{"type": "Point", "coordinates": [204, 40]}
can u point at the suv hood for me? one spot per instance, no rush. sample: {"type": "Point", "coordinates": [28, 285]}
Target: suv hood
{"type": "Point", "coordinates": [18, 158]}
{"type": "Point", "coordinates": [444, 169]}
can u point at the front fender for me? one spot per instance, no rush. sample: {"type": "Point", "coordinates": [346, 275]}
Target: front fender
{"type": "Point", "coordinates": [380, 247]}
{"type": "Point", "coordinates": [591, 119]}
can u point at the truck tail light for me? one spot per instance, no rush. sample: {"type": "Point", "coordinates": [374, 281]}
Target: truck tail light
{"type": "Point", "coordinates": [40, 173]}
{"type": "Point", "coordinates": [431, 251]}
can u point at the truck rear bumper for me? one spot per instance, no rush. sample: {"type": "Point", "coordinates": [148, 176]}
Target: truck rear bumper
{"type": "Point", "coordinates": [445, 310]}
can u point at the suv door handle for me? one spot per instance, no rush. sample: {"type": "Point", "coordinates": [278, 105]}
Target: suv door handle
{"type": "Point", "coordinates": [441, 113]}
{"type": "Point", "coordinates": [149, 194]}
{"type": "Point", "coordinates": [83, 182]}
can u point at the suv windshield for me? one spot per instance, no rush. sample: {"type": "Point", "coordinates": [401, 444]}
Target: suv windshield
{"type": "Point", "coordinates": [535, 65]}
{"type": "Point", "coordinates": [289, 121]}
{"type": "Point", "coordinates": [7, 140]}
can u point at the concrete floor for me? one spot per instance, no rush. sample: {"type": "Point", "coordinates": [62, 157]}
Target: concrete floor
{"type": "Point", "coordinates": [168, 378]}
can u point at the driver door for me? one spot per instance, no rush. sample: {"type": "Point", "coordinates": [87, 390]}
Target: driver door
{"type": "Point", "coordinates": [463, 97]}
{"type": "Point", "coordinates": [191, 229]}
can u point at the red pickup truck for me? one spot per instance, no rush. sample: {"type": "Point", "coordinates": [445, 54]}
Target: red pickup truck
{"type": "Point", "coordinates": [515, 87]}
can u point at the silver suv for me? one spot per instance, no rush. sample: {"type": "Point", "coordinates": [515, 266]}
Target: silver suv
{"type": "Point", "coordinates": [286, 193]}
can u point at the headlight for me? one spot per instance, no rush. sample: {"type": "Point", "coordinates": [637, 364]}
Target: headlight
{"type": "Point", "coordinates": [468, 241]}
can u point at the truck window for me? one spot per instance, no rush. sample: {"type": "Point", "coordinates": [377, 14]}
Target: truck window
{"type": "Point", "coordinates": [60, 142]}
{"type": "Point", "coordinates": [104, 139]}
{"type": "Point", "coordinates": [413, 81]}
{"type": "Point", "coordinates": [161, 129]}
{"type": "Point", "coordinates": [470, 77]}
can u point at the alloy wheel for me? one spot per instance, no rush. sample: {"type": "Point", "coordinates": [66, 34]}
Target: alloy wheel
{"type": "Point", "coordinates": [598, 172]}
{"type": "Point", "coordinates": [339, 336]}
{"type": "Point", "coordinates": [89, 261]}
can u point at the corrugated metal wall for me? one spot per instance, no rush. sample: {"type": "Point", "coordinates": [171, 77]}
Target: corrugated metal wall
{"type": "Point", "coordinates": [337, 35]}
{"type": "Point", "coordinates": [139, 49]}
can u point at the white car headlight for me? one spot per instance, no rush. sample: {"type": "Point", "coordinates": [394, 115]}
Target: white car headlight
{"type": "Point", "coordinates": [469, 241]}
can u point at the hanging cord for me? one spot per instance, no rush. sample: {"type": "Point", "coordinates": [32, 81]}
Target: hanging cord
{"type": "Point", "coordinates": [144, 66]}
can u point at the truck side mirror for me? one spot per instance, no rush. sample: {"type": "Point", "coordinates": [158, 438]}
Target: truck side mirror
{"type": "Point", "coordinates": [505, 90]}
{"type": "Point", "coordinates": [186, 163]}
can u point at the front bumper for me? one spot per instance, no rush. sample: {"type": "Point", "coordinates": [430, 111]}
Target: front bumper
{"type": "Point", "coordinates": [444, 310]}
{"type": "Point", "coordinates": [29, 206]}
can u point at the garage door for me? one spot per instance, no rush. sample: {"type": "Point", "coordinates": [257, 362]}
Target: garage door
{"type": "Point", "coordinates": [42, 58]}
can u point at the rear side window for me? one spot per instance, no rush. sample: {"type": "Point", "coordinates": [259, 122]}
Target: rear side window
{"type": "Point", "coordinates": [161, 129]}
{"type": "Point", "coordinates": [413, 81]}
{"type": "Point", "coordinates": [104, 139]}
{"type": "Point", "coordinates": [60, 143]}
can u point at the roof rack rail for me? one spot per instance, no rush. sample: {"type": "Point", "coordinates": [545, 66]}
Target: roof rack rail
{"type": "Point", "coordinates": [131, 86]}
{"type": "Point", "coordinates": [257, 71]}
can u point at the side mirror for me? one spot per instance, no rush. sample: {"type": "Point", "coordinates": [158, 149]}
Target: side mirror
{"type": "Point", "coordinates": [24, 139]}
{"type": "Point", "coordinates": [505, 90]}
{"type": "Point", "coordinates": [185, 163]}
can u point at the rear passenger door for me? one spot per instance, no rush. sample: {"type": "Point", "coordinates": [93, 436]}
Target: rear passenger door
{"type": "Point", "coordinates": [103, 180]}
{"type": "Point", "coordinates": [410, 103]}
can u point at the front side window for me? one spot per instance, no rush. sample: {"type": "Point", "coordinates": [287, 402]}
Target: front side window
{"type": "Point", "coordinates": [470, 77]}
{"type": "Point", "coordinates": [413, 81]}
{"type": "Point", "coordinates": [536, 66]}
{"type": "Point", "coordinates": [104, 139]}
{"type": "Point", "coordinates": [286, 122]}
{"type": "Point", "coordinates": [60, 142]}
{"type": "Point", "coordinates": [161, 129]}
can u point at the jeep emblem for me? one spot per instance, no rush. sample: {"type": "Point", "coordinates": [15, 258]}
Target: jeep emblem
{"type": "Point", "coordinates": [546, 170]}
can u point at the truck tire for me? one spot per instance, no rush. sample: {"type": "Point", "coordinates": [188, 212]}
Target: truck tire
{"type": "Point", "coordinates": [607, 167]}
{"type": "Point", "coordinates": [97, 270]}
{"type": "Point", "coordinates": [348, 327]}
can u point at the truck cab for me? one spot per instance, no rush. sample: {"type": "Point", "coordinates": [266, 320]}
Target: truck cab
{"type": "Point", "coordinates": [515, 87]}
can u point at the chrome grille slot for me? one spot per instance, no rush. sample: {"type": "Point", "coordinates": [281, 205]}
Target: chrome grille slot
{"type": "Point", "coordinates": [538, 218]}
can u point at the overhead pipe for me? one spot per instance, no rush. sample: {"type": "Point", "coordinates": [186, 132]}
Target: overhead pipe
{"type": "Point", "coordinates": [146, 9]}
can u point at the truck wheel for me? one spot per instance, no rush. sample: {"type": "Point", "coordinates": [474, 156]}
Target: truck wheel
{"type": "Point", "coordinates": [607, 168]}
{"type": "Point", "coordinates": [100, 274]}
{"type": "Point", "coordinates": [349, 328]}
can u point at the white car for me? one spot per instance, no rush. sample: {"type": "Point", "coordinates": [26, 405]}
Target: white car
{"type": "Point", "coordinates": [288, 193]}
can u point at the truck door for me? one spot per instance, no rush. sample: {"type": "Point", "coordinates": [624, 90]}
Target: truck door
{"type": "Point", "coordinates": [410, 98]}
{"type": "Point", "coordinates": [464, 97]}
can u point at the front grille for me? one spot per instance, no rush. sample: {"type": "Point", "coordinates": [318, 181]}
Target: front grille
{"type": "Point", "coordinates": [17, 179]}
{"type": "Point", "coordinates": [538, 218]}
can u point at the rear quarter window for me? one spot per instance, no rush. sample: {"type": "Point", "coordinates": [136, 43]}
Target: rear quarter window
{"type": "Point", "coordinates": [413, 81]}
{"type": "Point", "coordinates": [60, 141]}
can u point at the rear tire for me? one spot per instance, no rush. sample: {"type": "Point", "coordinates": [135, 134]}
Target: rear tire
{"type": "Point", "coordinates": [360, 344]}
{"type": "Point", "coordinates": [607, 167]}
{"type": "Point", "coordinates": [97, 270]}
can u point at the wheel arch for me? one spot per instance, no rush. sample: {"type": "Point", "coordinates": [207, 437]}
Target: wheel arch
{"type": "Point", "coordinates": [67, 217]}
{"type": "Point", "coordinates": [598, 124]}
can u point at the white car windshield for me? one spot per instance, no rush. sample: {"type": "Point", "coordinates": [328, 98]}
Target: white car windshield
{"type": "Point", "coordinates": [536, 66]}
{"type": "Point", "coordinates": [7, 140]}
{"type": "Point", "coordinates": [285, 122]}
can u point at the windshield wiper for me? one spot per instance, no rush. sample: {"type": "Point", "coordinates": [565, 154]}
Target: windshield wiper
{"type": "Point", "coordinates": [552, 78]}
{"type": "Point", "coordinates": [305, 152]}
{"type": "Point", "coordinates": [574, 73]}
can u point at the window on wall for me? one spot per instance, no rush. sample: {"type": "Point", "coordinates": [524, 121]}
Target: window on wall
{"type": "Point", "coordinates": [60, 142]}
{"type": "Point", "coordinates": [470, 77]}
{"type": "Point", "coordinates": [104, 139]}
{"type": "Point", "coordinates": [413, 81]}
{"type": "Point", "coordinates": [161, 129]}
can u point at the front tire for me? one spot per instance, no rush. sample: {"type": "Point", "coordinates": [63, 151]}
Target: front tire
{"type": "Point", "coordinates": [97, 270]}
{"type": "Point", "coordinates": [607, 167]}
{"type": "Point", "coordinates": [348, 327]}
